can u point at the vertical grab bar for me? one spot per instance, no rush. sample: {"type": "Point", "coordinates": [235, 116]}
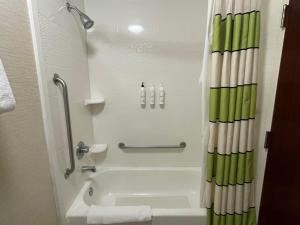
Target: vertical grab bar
{"type": "Point", "coordinates": [58, 80]}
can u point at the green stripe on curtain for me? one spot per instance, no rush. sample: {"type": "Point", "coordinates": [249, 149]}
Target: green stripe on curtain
{"type": "Point", "coordinates": [237, 30]}
{"type": "Point", "coordinates": [234, 33]}
{"type": "Point", "coordinates": [239, 101]}
{"type": "Point", "coordinates": [257, 29]}
{"type": "Point", "coordinates": [211, 167]}
{"type": "Point", "coordinates": [241, 168]}
{"type": "Point", "coordinates": [246, 102]}
{"type": "Point", "coordinates": [249, 167]}
{"type": "Point", "coordinates": [230, 169]}
{"type": "Point", "coordinates": [245, 29]}
{"type": "Point", "coordinates": [229, 219]}
{"type": "Point", "coordinates": [229, 104]}
{"type": "Point", "coordinates": [233, 168]}
{"type": "Point", "coordinates": [214, 104]}
{"type": "Point", "coordinates": [224, 104]}
{"type": "Point", "coordinates": [252, 29]}
{"type": "Point", "coordinates": [253, 101]}
{"type": "Point", "coordinates": [220, 168]}
{"type": "Point", "coordinates": [232, 104]}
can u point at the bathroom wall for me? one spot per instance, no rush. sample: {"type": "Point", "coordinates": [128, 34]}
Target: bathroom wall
{"type": "Point", "coordinates": [168, 50]}
{"type": "Point", "coordinates": [26, 190]}
{"type": "Point", "coordinates": [60, 47]}
{"type": "Point", "coordinates": [271, 46]}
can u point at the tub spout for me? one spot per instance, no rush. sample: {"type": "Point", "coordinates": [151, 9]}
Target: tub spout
{"type": "Point", "coordinates": [88, 169]}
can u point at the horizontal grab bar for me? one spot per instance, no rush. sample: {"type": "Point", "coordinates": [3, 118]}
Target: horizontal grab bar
{"type": "Point", "coordinates": [124, 146]}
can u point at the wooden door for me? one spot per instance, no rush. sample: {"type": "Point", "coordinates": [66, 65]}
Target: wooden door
{"type": "Point", "coordinates": [280, 203]}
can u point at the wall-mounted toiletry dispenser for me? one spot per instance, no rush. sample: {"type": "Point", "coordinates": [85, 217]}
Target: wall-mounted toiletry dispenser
{"type": "Point", "coordinates": [162, 94]}
{"type": "Point", "coordinates": [152, 95]}
{"type": "Point", "coordinates": [143, 95]}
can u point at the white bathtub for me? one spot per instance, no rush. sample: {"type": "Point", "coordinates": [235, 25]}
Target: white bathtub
{"type": "Point", "coordinates": [173, 194]}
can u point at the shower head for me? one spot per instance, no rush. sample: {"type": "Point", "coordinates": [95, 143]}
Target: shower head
{"type": "Point", "coordinates": [86, 21]}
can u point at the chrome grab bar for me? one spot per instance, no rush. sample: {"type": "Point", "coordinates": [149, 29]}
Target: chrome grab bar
{"type": "Point", "coordinates": [124, 146]}
{"type": "Point", "coordinates": [58, 80]}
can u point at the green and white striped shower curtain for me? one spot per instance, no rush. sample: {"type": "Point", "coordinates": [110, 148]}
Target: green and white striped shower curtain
{"type": "Point", "coordinates": [232, 106]}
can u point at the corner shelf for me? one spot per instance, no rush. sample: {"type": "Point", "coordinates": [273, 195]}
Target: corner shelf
{"type": "Point", "coordinates": [94, 101]}
{"type": "Point", "coordinates": [98, 148]}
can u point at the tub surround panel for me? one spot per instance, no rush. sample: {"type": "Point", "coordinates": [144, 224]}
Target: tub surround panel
{"type": "Point", "coordinates": [153, 42]}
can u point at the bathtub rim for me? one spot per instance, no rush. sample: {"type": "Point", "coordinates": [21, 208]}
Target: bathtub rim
{"type": "Point", "coordinates": [79, 208]}
{"type": "Point", "coordinates": [101, 170]}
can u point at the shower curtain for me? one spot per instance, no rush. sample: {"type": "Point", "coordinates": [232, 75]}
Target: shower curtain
{"type": "Point", "coordinates": [232, 105]}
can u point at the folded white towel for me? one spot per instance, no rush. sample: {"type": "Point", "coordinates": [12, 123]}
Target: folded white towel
{"type": "Point", "coordinates": [118, 214]}
{"type": "Point", "coordinates": [7, 100]}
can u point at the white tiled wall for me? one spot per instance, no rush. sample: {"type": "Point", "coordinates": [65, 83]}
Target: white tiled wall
{"type": "Point", "coordinates": [60, 46]}
{"type": "Point", "coordinates": [169, 50]}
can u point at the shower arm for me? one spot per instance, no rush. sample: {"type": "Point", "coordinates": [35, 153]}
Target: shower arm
{"type": "Point", "coordinates": [70, 7]}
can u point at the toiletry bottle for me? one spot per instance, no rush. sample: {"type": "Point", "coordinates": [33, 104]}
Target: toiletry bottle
{"type": "Point", "coordinates": [152, 95]}
{"type": "Point", "coordinates": [143, 94]}
{"type": "Point", "coordinates": [161, 94]}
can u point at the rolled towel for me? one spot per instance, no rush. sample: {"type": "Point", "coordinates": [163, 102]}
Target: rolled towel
{"type": "Point", "coordinates": [7, 100]}
{"type": "Point", "coordinates": [118, 214]}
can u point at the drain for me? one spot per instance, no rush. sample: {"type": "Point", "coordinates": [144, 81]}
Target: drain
{"type": "Point", "coordinates": [91, 191]}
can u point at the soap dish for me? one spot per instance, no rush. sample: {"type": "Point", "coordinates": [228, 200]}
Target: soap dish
{"type": "Point", "coordinates": [94, 101]}
{"type": "Point", "coordinates": [98, 148]}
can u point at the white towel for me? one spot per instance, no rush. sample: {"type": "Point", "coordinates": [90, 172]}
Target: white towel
{"type": "Point", "coordinates": [118, 214]}
{"type": "Point", "coordinates": [7, 100]}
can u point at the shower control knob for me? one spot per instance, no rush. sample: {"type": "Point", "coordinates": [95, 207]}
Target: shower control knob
{"type": "Point", "coordinates": [81, 149]}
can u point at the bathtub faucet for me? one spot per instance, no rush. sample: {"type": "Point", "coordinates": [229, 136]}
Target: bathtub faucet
{"type": "Point", "coordinates": [88, 169]}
